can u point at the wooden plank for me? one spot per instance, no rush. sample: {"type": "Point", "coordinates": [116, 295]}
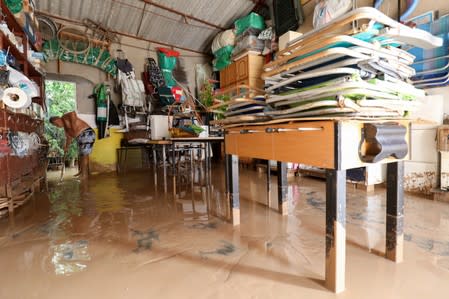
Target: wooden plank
{"type": "Point", "coordinates": [364, 13]}
{"type": "Point", "coordinates": [318, 58]}
{"type": "Point", "coordinates": [320, 44]}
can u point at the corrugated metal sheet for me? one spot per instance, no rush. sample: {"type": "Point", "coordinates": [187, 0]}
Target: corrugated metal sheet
{"type": "Point", "coordinates": [136, 18]}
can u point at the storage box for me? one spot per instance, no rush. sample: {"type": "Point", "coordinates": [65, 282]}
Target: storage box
{"type": "Point", "coordinates": [159, 126]}
{"type": "Point", "coordinates": [443, 138]}
{"type": "Point", "coordinates": [287, 37]}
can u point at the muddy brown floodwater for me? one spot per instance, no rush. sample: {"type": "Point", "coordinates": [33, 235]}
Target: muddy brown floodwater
{"type": "Point", "coordinates": [124, 237]}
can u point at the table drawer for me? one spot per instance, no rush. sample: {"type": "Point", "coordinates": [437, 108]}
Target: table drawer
{"type": "Point", "coordinates": [310, 143]}
{"type": "Point", "coordinates": [251, 142]}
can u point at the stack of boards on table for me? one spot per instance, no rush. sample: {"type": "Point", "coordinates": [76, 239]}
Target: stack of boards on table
{"type": "Point", "coordinates": [342, 70]}
{"type": "Point", "coordinates": [241, 104]}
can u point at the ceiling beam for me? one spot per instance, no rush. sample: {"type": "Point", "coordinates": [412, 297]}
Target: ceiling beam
{"type": "Point", "coordinates": [182, 14]}
{"type": "Point", "coordinates": [122, 33]}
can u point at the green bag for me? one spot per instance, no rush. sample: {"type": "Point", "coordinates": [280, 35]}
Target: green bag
{"type": "Point", "coordinates": [15, 6]}
{"type": "Point", "coordinates": [223, 57]}
{"type": "Point", "coordinates": [168, 76]}
{"type": "Point", "coordinates": [165, 62]}
{"type": "Point", "coordinates": [252, 20]}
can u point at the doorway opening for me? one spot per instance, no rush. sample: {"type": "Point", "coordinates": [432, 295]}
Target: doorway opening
{"type": "Point", "coordinates": [60, 98]}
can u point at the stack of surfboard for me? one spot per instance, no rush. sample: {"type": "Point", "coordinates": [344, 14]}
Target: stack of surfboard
{"type": "Point", "coordinates": [241, 103]}
{"type": "Point", "coordinates": [347, 70]}
{"type": "Point", "coordinates": [246, 109]}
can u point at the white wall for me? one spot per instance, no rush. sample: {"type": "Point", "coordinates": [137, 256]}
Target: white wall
{"type": "Point", "coordinates": [421, 171]}
{"type": "Point", "coordinates": [136, 52]}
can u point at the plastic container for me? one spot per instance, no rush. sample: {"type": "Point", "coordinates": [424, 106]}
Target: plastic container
{"type": "Point", "coordinates": [159, 127]}
{"type": "Point", "coordinates": [252, 20]}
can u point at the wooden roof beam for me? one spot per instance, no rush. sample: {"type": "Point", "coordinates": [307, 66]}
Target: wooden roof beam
{"type": "Point", "coordinates": [150, 2]}
{"type": "Point", "coordinates": [123, 33]}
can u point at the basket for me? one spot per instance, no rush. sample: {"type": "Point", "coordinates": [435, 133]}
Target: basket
{"type": "Point", "coordinates": [136, 134]}
{"type": "Point", "coordinates": [179, 133]}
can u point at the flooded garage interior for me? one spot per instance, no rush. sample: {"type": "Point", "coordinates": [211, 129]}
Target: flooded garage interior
{"type": "Point", "coordinates": [224, 149]}
{"type": "Point", "coordinates": [124, 236]}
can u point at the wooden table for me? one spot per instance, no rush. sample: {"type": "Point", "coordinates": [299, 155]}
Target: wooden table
{"type": "Point", "coordinates": [335, 145]}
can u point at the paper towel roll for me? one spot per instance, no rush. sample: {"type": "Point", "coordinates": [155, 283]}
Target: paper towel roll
{"type": "Point", "coordinates": [14, 97]}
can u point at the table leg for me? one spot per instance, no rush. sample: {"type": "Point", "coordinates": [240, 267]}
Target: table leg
{"type": "Point", "coordinates": [173, 159]}
{"type": "Point", "coordinates": [164, 157]}
{"type": "Point", "coordinates": [282, 188]}
{"type": "Point", "coordinates": [208, 165]}
{"type": "Point", "coordinates": [335, 230]}
{"type": "Point", "coordinates": [232, 187]}
{"type": "Point", "coordinates": [154, 156]}
{"type": "Point", "coordinates": [268, 184]}
{"type": "Point", "coordinates": [395, 212]}
{"type": "Point", "coordinates": [119, 160]}
{"type": "Point", "coordinates": [126, 158]}
{"type": "Point", "coordinates": [173, 169]}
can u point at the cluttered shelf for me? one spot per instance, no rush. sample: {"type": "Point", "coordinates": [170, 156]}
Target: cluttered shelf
{"type": "Point", "coordinates": [23, 148]}
{"type": "Point", "coordinates": [8, 46]}
{"type": "Point", "coordinates": [10, 19]}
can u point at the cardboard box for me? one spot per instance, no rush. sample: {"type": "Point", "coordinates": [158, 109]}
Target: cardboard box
{"type": "Point", "coordinates": [287, 37]}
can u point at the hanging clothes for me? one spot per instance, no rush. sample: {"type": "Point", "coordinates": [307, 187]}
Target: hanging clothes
{"type": "Point", "coordinates": [113, 118]}
{"type": "Point", "coordinates": [155, 75]}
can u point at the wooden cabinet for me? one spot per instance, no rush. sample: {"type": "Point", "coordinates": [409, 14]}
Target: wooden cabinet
{"type": "Point", "coordinates": [244, 71]}
{"type": "Point", "coordinates": [242, 68]}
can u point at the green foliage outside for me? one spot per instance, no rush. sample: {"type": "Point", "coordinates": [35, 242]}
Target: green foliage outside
{"type": "Point", "coordinates": [61, 98]}
{"type": "Point", "coordinates": [207, 94]}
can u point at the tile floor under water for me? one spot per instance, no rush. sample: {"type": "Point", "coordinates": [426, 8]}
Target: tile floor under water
{"type": "Point", "coordinates": [125, 237]}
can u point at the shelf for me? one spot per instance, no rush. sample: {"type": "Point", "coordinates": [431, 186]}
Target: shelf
{"type": "Point", "coordinates": [28, 69]}
{"type": "Point", "coordinates": [19, 175]}
{"type": "Point", "coordinates": [14, 26]}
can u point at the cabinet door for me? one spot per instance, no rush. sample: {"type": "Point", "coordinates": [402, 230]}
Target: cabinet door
{"type": "Point", "coordinates": [242, 68]}
{"type": "Point", "coordinates": [232, 73]}
{"type": "Point", "coordinates": [223, 78]}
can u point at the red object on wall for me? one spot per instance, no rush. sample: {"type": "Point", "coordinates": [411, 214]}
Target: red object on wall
{"type": "Point", "coordinates": [177, 93]}
{"type": "Point", "coordinates": [169, 52]}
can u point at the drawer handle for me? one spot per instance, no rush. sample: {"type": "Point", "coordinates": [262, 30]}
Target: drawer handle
{"type": "Point", "coordinates": [246, 131]}
{"type": "Point", "coordinates": [280, 130]}
{"type": "Point", "coordinates": [231, 132]}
